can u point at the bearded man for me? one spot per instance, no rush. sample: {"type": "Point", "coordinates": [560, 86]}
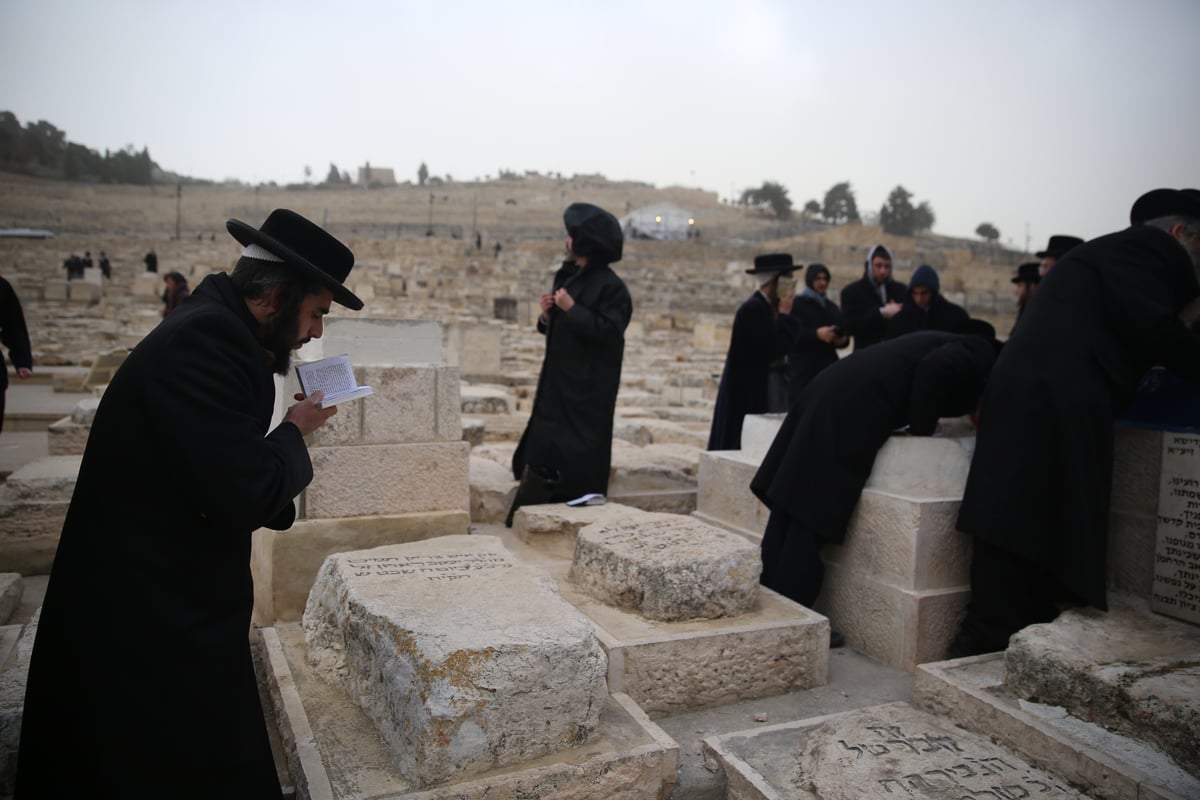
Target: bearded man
{"type": "Point", "coordinates": [141, 682]}
{"type": "Point", "coordinates": [1036, 503]}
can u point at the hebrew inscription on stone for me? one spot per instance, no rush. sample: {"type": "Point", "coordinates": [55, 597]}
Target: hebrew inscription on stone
{"type": "Point", "coordinates": [1177, 554]}
{"type": "Point", "coordinates": [433, 567]}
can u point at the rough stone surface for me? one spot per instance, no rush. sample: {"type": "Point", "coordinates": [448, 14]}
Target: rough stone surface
{"type": "Point", "coordinates": [1126, 669]}
{"type": "Point", "coordinates": [378, 341]}
{"type": "Point", "coordinates": [473, 430]}
{"type": "Point", "coordinates": [667, 567]}
{"type": "Point", "coordinates": [85, 411]}
{"type": "Point", "coordinates": [486, 400]}
{"type": "Point", "coordinates": [724, 497]}
{"type": "Point", "coordinates": [492, 488]}
{"type": "Point", "coordinates": [44, 480]}
{"type": "Point", "coordinates": [387, 479]}
{"type": "Point", "coordinates": [16, 646]}
{"type": "Point", "coordinates": [11, 588]}
{"type": "Point", "coordinates": [465, 660]}
{"type": "Point", "coordinates": [885, 751]}
{"type": "Point", "coordinates": [553, 527]}
{"type": "Point", "coordinates": [66, 438]}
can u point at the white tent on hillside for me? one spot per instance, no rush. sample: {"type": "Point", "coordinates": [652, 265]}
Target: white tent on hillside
{"type": "Point", "coordinates": [660, 221]}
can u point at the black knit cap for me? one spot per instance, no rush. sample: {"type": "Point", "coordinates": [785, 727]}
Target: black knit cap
{"type": "Point", "coordinates": [304, 245]}
{"type": "Point", "coordinates": [595, 233]}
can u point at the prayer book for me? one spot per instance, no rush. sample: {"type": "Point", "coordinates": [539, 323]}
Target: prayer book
{"type": "Point", "coordinates": [334, 376]}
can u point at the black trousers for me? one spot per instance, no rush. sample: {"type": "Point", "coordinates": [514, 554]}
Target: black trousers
{"type": "Point", "coordinates": [1008, 593]}
{"type": "Point", "coordinates": [791, 559]}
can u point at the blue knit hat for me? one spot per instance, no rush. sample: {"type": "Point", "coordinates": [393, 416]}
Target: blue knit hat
{"type": "Point", "coordinates": [926, 276]}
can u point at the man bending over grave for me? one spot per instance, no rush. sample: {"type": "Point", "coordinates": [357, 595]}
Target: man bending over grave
{"type": "Point", "coordinates": [815, 470]}
{"type": "Point", "coordinates": [1036, 503]}
{"type": "Point", "coordinates": [141, 682]}
{"type": "Point", "coordinates": [566, 450]}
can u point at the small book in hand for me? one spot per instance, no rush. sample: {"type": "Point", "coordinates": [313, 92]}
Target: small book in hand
{"type": "Point", "coordinates": [334, 376]}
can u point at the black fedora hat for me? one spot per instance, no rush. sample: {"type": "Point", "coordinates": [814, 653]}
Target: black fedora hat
{"type": "Point", "coordinates": [1165, 203]}
{"type": "Point", "coordinates": [773, 262]}
{"type": "Point", "coordinates": [1059, 245]}
{"type": "Point", "coordinates": [594, 232]}
{"type": "Point", "coordinates": [304, 245]}
{"type": "Point", "coordinates": [1028, 273]}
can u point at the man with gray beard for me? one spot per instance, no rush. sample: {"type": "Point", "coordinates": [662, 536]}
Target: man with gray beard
{"type": "Point", "coordinates": [1037, 497]}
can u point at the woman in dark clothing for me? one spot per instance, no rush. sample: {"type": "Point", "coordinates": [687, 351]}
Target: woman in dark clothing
{"type": "Point", "coordinates": [819, 334]}
{"type": "Point", "coordinates": [174, 294]}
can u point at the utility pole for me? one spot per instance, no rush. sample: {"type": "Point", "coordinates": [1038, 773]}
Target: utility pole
{"type": "Point", "coordinates": [178, 207]}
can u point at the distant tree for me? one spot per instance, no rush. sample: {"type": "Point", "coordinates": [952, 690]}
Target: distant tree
{"type": "Point", "coordinates": [812, 208]}
{"type": "Point", "coordinates": [769, 195]}
{"type": "Point", "coordinates": [987, 231]}
{"type": "Point", "coordinates": [422, 174]}
{"type": "Point", "coordinates": [899, 217]}
{"type": "Point", "coordinates": [839, 204]}
{"type": "Point", "coordinates": [10, 139]}
{"type": "Point", "coordinates": [333, 176]}
{"type": "Point", "coordinates": [45, 144]}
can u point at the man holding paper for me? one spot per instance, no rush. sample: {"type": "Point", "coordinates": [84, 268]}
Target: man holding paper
{"type": "Point", "coordinates": [141, 668]}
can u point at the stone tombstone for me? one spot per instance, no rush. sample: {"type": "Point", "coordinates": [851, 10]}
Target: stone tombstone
{"type": "Point", "coordinates": [895, 751]}
{"type": "Point", "coordinates": [1176, 589]}
{"type": "Point", "coordinates": [667, 567]}
{"type": "Point", "coordinates": [464, 659]}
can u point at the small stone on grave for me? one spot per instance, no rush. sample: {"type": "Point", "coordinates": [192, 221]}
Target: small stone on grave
{"type": "Point", "coordinates": [667, 567]}
{"type": "Point", "coordinates": [464, 659]}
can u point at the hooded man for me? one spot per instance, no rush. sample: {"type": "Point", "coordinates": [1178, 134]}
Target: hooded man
{"type": "Point", "coordinates": [819, 332]}
{"type": "Point", "coordinates": [868, 303]}
{"type": "Point", "coordinates": [1058, 246]}
{"type": "Point", "coordinates": [925, 309]}
{"type": "Point", "coordinates": [763, 333]}
{"type": "Point", "coordinates": [141, 670]}
{"type": "Point", "coordinates": [566, 449]}
{"type": "Point", "coordinates": [1036, 503]}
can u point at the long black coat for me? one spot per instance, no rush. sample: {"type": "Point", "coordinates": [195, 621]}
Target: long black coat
{"type": "Point", "coordinates": [823, 454]}
{"type": "Point", "coordinates": [141, 676]}
{"type": "Point", "coordinates": [860, 309]}
{"type": "Point", "coordinates": [570, 427]}
{"type": "Point", "coordinates": [809, 355]}
{"type": "Point", "coordinates": [942, 315]}
{"type": "Point", "coordinates": [759, 337]}
{"type": "Point", "coordinates": [1040, 478]}
{"type": "Point", "coordinates": [13, 333]}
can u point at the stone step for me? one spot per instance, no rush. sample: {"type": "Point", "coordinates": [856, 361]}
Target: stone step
{"type": "Point", "coordinates": [971, 692]}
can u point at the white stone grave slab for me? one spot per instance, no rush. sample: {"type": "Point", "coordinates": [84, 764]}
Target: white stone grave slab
{"type": "Point", "coordinates": [378, 341]}
{"type": "Point", "coordinates": [886, 751]}
{"type": "Point", "coordinates": [464, 659]}
{"type": "Point", "coordinates": [1177, 555]}
{"type": "Point", "coordinates": [667, 567]}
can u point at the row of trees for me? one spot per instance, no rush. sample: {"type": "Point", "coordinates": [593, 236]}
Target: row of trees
{"type": "Point", "coordinates": [41, 149]}
{"type": "Point", "coordinates": [898, 216]}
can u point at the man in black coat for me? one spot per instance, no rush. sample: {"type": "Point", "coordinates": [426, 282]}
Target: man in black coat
{"type": "Point", "coordinates": [1037, 496]}
{"type": "Point", "coordinates": [763, 333]}
{"type": "Point", "coordinates": [925, 309]}
{"type": "Point", "coordinates": [14, 336]}
{"type": "Point", "coordinates": [814, 472]}
{"type": "Point", "coordinates": [868, 303]}
{"type": "Point", "coordinates": [818, 335]}
{"type": "Point", "coordinates": [141, 675]}
{"type": "Point", "coordinates": [567, 444]}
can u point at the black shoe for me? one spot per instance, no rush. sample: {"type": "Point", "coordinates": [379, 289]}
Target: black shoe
{"type": "Point", "coordinates": [836, 639]}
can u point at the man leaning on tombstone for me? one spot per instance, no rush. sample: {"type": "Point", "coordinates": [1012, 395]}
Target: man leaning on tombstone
{"type": "Point", "coordinates": [1036, 503]}
{"type": "Point", "coordinates": [141, 682]}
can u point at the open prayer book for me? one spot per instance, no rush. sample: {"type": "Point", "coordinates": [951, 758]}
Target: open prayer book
{"type": "Point", "coordinates": [334, 376]}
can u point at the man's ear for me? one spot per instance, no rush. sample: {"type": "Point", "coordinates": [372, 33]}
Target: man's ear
{"type": "Point", "coordinates": [263, 307]}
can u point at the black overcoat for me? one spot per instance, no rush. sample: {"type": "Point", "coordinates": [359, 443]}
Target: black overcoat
{"type": "Point", "coordinates": [141, 682]}
{"type": "Point", "coordinates": [759, 337]}
{"type": "Point", "coordinates": [13, 333]}
{"type": "Point", "coordinates": [860, 309]}
{"type": "Point", "coordinates": [570, 427]}
{"type": "Point", "coordinates": [1040, 478]}
{"type": "Point", "coordinates": [942, 315]}
{"type": "Point", "coordinates": [809, 355]}
{"type": "Point", "coordinates": [823, 454]}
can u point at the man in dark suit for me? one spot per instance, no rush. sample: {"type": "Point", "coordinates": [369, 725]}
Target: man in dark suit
{"type": "Point", "coordinates": [868, 303]}
{"type": "Point", "coordinates": [1037, 497]}
{"type": "Point", "coordinates": [141, 668]}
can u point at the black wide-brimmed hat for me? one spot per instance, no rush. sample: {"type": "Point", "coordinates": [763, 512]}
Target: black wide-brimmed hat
{"type": "Point", "coordinates": [1165, 203]}
{"type": "Point", "coordinates": [1059, 245]}
{"type": "Point", "coordinates": [304, 245]}
{"type": "Point", "coordinates": [773, 262]}
{"type": "Point", "coordinates": [1028, 273]}
{"type": "Point", "coordinates": [594, 232]}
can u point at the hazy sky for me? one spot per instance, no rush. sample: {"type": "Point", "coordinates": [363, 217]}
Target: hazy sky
{"type": "Point", "coordinates": [1039, 116]}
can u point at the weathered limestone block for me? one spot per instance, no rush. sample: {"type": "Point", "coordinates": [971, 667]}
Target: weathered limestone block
{"type": "Point", "coordinates": [66, 437]}
{"type": "Point", "coordinates": [890, 750]}
{"type": "Point", "coordinates": [724, 497]}
{"type": "Point", "coordinates": [667, 567]}
{"type": "Point", "coordinates": [486, 400]}
{"type": "Point", "coordinates": [378, 341]}
{"type": "Point", "coordinates": [464, 659]}
{"type": "Point", "coordinates": [473, 431]}
{"type": "Point", "coordinates": [50, 479]}
{"type": "Point", "coordinates": [553, 527]}
{"type": "Point", "coordinates": [1126, 669]}
{"type": "Point", "coordinates": [84, 292]}
{"type": "Point", "coordinates": [85, 410]}
{"type": "Point", "coordinates": [475, 348]}
{"type": "Point", "coordinates": [387, 479]}
{"type": "Point", "coordinates": [11, 589]}
{"type": "Point", "coordinates": [492, 488]}
{"type": "Point", "coordinates": [14, 670]}
{"type": "Point", "coordinates": [57, 290]}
